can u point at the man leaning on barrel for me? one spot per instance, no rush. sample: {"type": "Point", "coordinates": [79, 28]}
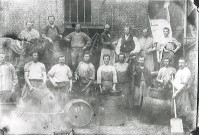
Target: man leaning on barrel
{"type": "Point", "coordinates": [35, 75]}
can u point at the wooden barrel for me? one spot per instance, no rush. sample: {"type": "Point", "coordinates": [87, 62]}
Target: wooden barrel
{"type": "Point", "coordinates": [43, 99]}
{"type": "Point", "coordinates": [159, 93]}
{"type": "Point", "coordinates": [155, 110]}
{"type": "Point", "coordinates": [78, 112]}
{"type": "Point", "coordinates": [111, 111]}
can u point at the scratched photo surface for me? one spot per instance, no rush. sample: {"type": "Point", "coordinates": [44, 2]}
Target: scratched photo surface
{"type": "Point", "coordinates": [98, 67]}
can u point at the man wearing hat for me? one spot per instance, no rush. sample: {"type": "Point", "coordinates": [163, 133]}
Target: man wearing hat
{"type": "Point", "coordinates": [107, 46]}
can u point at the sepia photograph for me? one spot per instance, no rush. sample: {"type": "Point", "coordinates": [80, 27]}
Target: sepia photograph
{"type": "Point", "coordinates": [99, 67]}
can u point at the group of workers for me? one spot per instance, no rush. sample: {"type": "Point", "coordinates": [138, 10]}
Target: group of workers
{"type": "Point", "coordinates": [126, 65]}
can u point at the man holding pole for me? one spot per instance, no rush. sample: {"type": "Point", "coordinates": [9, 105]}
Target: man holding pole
{"type": "Point", "coordinates": [181, 85]}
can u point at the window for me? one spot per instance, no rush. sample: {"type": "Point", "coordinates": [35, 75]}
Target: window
{"type": "Point", "coordinates": [77, 10]}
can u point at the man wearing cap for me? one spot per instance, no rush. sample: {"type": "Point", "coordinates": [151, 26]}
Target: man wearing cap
{"type": "Point", "coordinates": [8, 78]}
{"type": "Point", "coordinates": [61, 77]}
{"type": "Point", "coordinates": [53, 33]}
{"type": "Point", "coordinates": [80, 41]}
{"type": "Point", "coordinates": [107, 46]}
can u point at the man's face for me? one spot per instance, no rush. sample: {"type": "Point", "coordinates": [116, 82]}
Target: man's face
{"type": "Point", "coordinates": [106, 60]}
{"type": "Point", "coordinates": [106, 30]}
{"type": "Point", "coordinates": [51, 20]}
{"type": "Point", "coordinates": [126, 30]}
{"type": "Point", "coordinates": [181, 64]}
{"type": "Point", "coordinates": [145, 32]}
{"type": "Point", "coordinates": [86, 57]}
{"type": "Point", "coordinates": [2, 58]}
{"type": "Point", "coordinates": [141, 61]}
{"type": "Point", "coordinates": [78, 27]}
{"type": "Point", "coordinates": [35, 57]}
{"type": "Point", "coordinates": [166, 32]}
{"type": "Point", "coordinates": [61, 60]}
{"type": "Point", "coordinates": [29, 25]}
{"type": "Point", "coordinates": [121, 58]}
{"type": "Point", "coordinates": [166, 62]}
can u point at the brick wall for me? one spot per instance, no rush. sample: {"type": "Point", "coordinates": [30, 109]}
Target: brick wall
{"type": "Point", "coordinates": [16, 12]}
{"type": "Point", "coordinates": [115, 12]}
{"type": "Point", "coordinates": [118, 13]}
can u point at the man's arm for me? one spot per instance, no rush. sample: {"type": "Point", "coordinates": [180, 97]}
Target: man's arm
{"type": "Point", "coordinates": [70, 80]}
{"type": "Point", "coordinates": [88, 40]}
{"type": "Point", "coordinates": [137, 46]}
{"type": "Point", "coordinates": [103, 41]}
{"type": "Point", "coordinates": [68, 37]}
{"type": "Point", "coordinates": [27, 80]}
{"type": "Point", "coordinates": [114, 79]}
{"type": "Point", "coordinates": [92, 78]}
{"type": "Point", "coordinates": [99, 79]}
{"type": "Point", "coordinates": [184, 84]}
{"type": "Point", "coordinates": [14, 77]}
{"type": "Point", "coordinates": [178, 44]}
{"type": "Point", "coordinates": [158, 79]}
{"type": "Point", "coordinates": [26, 73]}
{"type": "Point", "coordinates": [50, 76]}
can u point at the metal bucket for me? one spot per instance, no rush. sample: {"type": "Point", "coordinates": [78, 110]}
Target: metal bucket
{"type": "Point", "coordinates": [78, 112]}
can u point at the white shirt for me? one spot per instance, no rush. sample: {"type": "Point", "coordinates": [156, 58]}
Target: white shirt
{"type": "Point", "coordinates": [35, 70]}
{"type": "Point", "coordinates": [60, 73]}
{"type": "Point", "coordinates": [182, 78]}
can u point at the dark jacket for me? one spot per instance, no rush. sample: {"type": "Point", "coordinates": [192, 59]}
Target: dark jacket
{"type": "Point", "coordinates": [147, 76]}
{"type": "Point", "coordinates": [104, 41]}
{"type": "Point", "coordinates": [127, 45]}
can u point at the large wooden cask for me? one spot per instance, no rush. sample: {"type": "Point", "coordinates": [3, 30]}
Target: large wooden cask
{"type": "Point", "coordinates": [78, 112]}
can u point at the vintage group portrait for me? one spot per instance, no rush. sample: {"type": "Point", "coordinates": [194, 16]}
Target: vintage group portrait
{"type": "Point", "coordinates": [98, 67]}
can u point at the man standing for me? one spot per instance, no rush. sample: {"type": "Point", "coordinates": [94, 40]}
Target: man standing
{"type": "Point", "coordinates": [61, 77]}
{"type": "Point", "coordinates": [54, 34]}
{"type": "Point", "coordinates": [79, 43]}
{"type": "Point", "coordinates": [29, 33]}
{"type": "Point", "coordinates": [85, 73]}
{"type": "Point", "coordinates": [106, 76]}
{"type": "Point", "coordinates": [142, 83]}
{"type": "Point", "coordinates": [8, 78]}
{"type": "Point", "coordinates": [147, 49]}
{"type": "Point", "coordinates": [107, 46]}
{"type": "Point", "coordinates": [35, 75]}
{"type": "Point", "coordinates": [181, 93]}
{"type": "Point", "coordinates": [164, 76]}
{"type": "Point", "coordinates": [167, 47]}
{"type": "Point", "coordinates": [123, 79]}
{"type": "Point", "coordinates": [127, 44]}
